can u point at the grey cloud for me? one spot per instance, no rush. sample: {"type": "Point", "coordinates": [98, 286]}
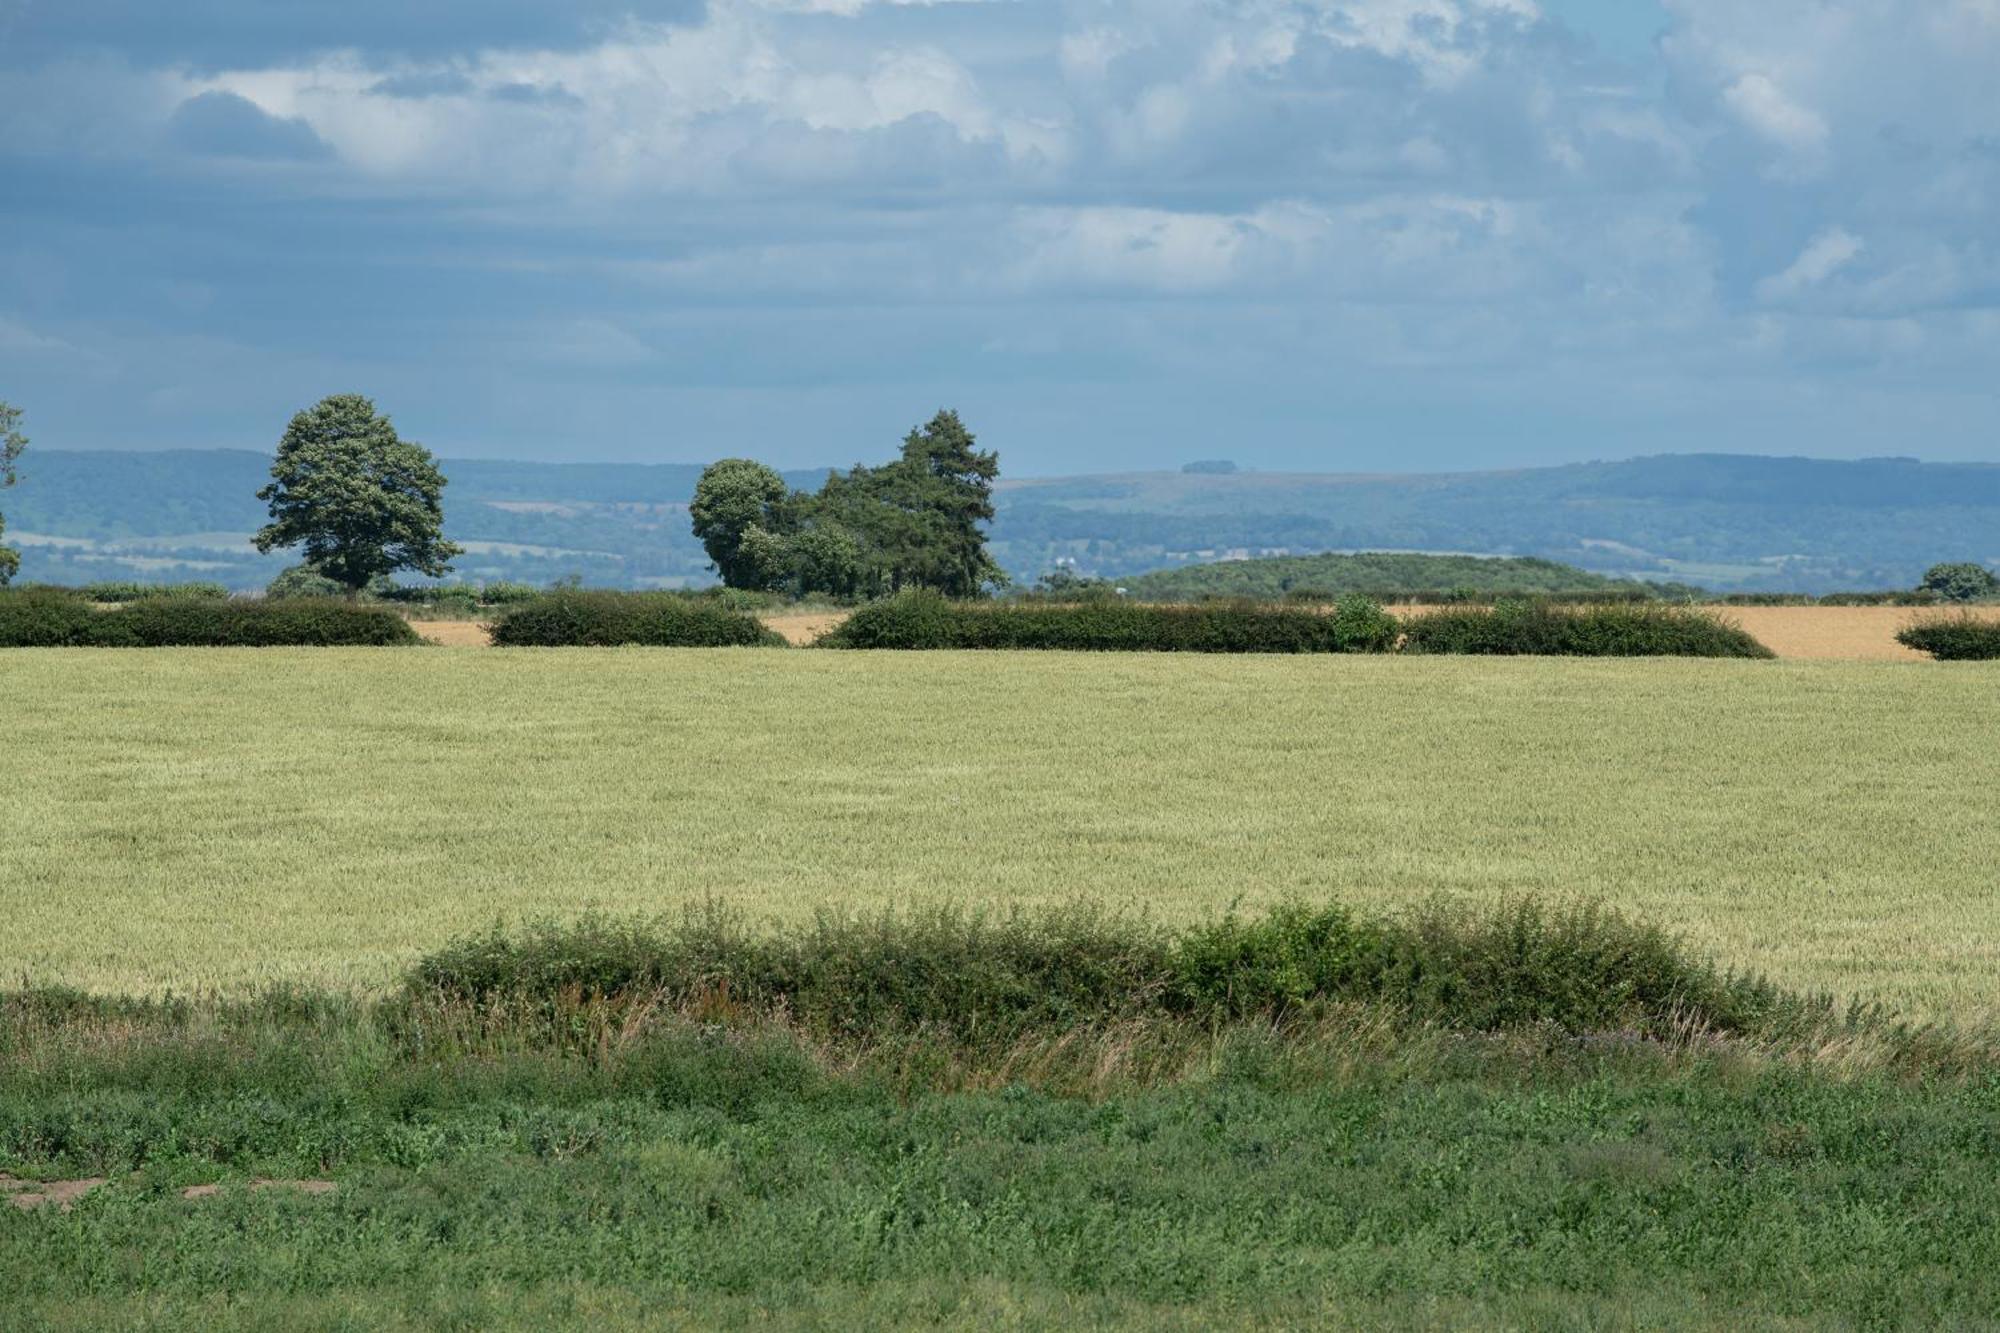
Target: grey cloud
{"type": "Point", "coordinates": [225, 125]}
{"type": "Point", "coordinates": [216, 34]}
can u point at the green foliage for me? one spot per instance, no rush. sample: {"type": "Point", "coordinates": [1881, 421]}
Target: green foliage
{"type": "Point", "coordinates": [1960, 582]}
{"type": "Point", "coordinates": [738, 514]}
{"type": "Point", "coordinates": [579, 619]}
{"type": "Point", "coordinates": [146, 592]}
{"type": "Point", "coordinates": [303, 581]}
{"type": "Point", "coordinates": [918, 521]}
{"type": "Point", "coordinates": [1954, 638]}
{"type": "Point", "coordinates": [921, 619]}
{"type": "Point", "coordinates": [636, 1165]}
{"type": "Point", "coordinates": [12, 443]}
{"type": "Point", "coordinates": [39, 619]}
{"type": "Point", "coordinates": [976, 976]}
{"type": "Point", "coordinates": [363, 502]}
{"type": "Point", "coordinates": [1385, 576]}
{"type": "Point", "coordinates": [1543, 629]}
{"type": "Point", "coordinates": [45, 618]}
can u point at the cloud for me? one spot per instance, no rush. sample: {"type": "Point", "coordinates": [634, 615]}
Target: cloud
{"type": "Point", "coordinates": [1824, 256]}
{"type": "Point", "coordinates": [1283, 195]}
{"type": "Point", "coordinates": [221, 124]}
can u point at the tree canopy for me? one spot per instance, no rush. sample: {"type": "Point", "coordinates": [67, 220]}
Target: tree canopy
{"type": "Point", "coordinates": [917, 521]}
{"type": "Point", "coordinates": [363, 502]}
{"type": "Point", "coordinates": [12, 442]}
{"type": "Point", "coordinates": [1963, 582]}
{"type": "Point", "coordinates": [737, 517]}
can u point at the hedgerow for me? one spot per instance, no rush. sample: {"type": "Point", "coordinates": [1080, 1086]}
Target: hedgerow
{"type": "Point", "coordinates": [1954, 638]}
{"type": "Point", "coordinates": [1545, 629]}
{"type": "Point", "coordinates": [579, 619]}
{"type": "Point", "coordinates": [975, 976]}
{"type": "Point", "coordinates": [921, 619]}
{"type": "Point", "coordinates": [53, 620]}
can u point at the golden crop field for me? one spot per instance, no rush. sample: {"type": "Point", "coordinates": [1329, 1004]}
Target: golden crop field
{"type": "Point", "coordinates": [220, 818]}
{"type": "Point", "coordinates": [1814, 633]}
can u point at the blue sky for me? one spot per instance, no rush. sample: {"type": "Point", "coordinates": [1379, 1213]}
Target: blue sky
{"type": "Point", "coordinates": [1315, 234]}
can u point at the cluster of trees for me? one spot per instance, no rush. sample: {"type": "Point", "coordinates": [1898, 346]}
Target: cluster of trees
{"type": "Point", "coordinates": [917, 521]}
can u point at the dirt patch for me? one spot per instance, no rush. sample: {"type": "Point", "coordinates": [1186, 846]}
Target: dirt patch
{"type": "Point", "coordinates": [35, 1193]}
{"type": "Point", "coordinates": [261, 1183]}
{"type": "Point", "coordinates": [454, 633]}
{"type": "Point", "coordinates": [802, 628]}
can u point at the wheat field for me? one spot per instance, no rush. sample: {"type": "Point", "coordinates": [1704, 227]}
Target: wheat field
{"type": "Point", "coordinates": [225, 818]}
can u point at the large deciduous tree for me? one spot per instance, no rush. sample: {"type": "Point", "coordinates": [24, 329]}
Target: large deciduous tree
{"type": "Point", "coordinates": [363, 502]}
{"type": "Point", "coordinates": [12, 442]}
{"type": "Point", "coordinates": [1960, 582]}
{"type": "Point", "coordinates": [739, 517]}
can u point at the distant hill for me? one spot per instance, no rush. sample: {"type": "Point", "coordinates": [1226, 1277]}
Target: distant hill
{"type": "Point", "coordinates": [1722, 521]}
{"type": "Point", "coordinates": [1369, 572]}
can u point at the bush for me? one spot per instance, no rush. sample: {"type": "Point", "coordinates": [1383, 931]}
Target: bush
{"type": "Point", "coordinates": [1955, 638]}
{"type": "Point", "coordinates": [144, 592]}
{"type": "Point", "coordinates": [43, 620]}
{"type": "Point", "coordinates": [923, 620]}
{"type": "Point", "coordinates": [977, 976]}
{"type": "Point", "coordinates": [304, 581]}
{"type": "Point", "coordinates": [577, 619]}
{"type": "Point", "coordinates": [1548, 630]}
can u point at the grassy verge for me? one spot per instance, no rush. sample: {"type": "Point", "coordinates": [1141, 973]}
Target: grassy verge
{"type": "Point", "coordinates": [544, 1153]}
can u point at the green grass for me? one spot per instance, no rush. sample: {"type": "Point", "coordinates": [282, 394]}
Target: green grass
{"type": "Point", "coordinates": [1349, 1170]}
{"type": "Point", "coordinates": [216, 818]}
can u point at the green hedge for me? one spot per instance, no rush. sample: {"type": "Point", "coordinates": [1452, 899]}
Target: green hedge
{"type": "Point", "coordinates": [55, 620]}
{"type": "Point", "coordinates": [1545, 630]}
{"type": "Point", "coordinates": [576, 619]}
{"type": "Point", "coordinates": [922, 619]}
{"type": "Point", "coordinates": [1959, 638]}
{"type": "Point", "coordinates": [120, 592]}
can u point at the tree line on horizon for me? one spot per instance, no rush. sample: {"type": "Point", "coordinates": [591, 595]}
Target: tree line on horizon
{"type": "Point", "coordinates": [365, 504]}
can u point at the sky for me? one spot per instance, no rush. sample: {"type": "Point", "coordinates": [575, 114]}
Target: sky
{"type": "Point", "coordinates": [1326, 235]}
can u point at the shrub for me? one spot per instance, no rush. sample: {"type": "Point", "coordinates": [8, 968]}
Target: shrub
{"type": "Point", "coordinates": [43, 620]}
{"type": "Point", "coordinates": [577, 619]}
{"type": "Point", "coordinates": [285, 623]}
{"type": "Point", "coordinates": [143, 592]}
{"type": "Point", "coordinates": [1549, 630]}
{"type": "Point", "coordinates": [304, 581]}
{"type": "Point", "coordinates": [978, 976]}
{"type": "Point", "coordinates": [1954, 638]}
{"type": "Point", "coordinates": [923, 620]}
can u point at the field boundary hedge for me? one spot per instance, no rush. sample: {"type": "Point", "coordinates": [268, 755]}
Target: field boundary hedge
{"type": "Point", "coordinates": [59, 620]}
{"type": "Point", "coordinates": [924, 620]}
{"type": "Point", "coordinates": [1542, 629]}
{"type": "Point", "coordinates": [580, 619]}
{"type": "Point", "coordinates": [1954, 638]}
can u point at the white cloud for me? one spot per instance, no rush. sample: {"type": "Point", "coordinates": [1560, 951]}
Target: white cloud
{"type": "Point", "coordinates": [1824, 256]}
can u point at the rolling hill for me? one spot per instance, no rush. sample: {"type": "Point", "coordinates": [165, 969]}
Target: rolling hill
{"type": "Point", "coordinates": [1722, 521]}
